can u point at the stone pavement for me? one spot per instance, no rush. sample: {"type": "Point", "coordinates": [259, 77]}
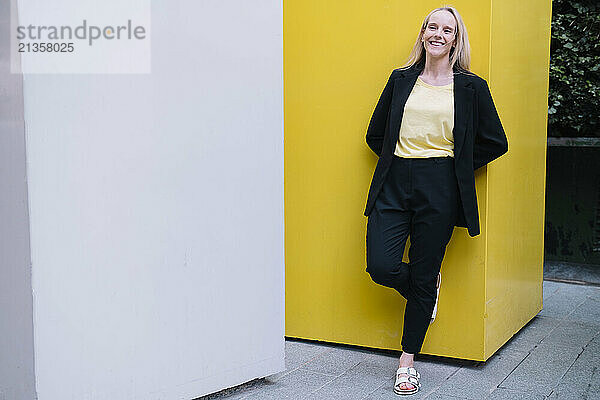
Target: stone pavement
{"type": "Point", "coordinates": [556, 356]}
{"type": "Point", "coordinates": [571, 272]}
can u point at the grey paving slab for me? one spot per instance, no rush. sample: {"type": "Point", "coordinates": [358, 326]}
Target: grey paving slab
{"type": "Point", "coordinates": [296, 385]}
{"type": "Point", "coordinates": [564, 301]}
{"type": "Point", "coordinates": [593, 292]}
{"type": "Point", "coordinates": [582, 380]}
{"type": "Point", "coordinates": [508, 394]}
{"type": "Point", "coordinates": [238, 392]}
{"type": "Point", "coordinates": [587, 291]}
{"type": "Point", "coordinates": [358, 381]}
{"type": "Point", "coordinates": [550, 289]}
{"type": "Point", "coordinates": [388, 363]}
{"type": "Point", "coordinates": [532, 334]}
{"type": "Point", "coordinates": [337, 361]}
{"type": "Point", "coordinates": [542, 369]}
{"type": "Point", "coordinates": [588, 311]}
{"type": "Point", "coordinates": [572, 396]}
{"type": "Point", "coordinates": [477, 382]}
{"type": "Point", "coordinates": [595, 342]}
{"type": "Point", "coordinates": [299, 353]}
{"type": "Point", "coordinates": [433, 375]}
{"type": "Point", "coordinates": [440, 396]}
{"type": "Point", "coordinates": [572, 271]}
{"type": "Point", "coordinates": [571, 334]}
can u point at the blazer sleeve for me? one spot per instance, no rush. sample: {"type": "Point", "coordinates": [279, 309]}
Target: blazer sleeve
{"type": "Point", "coordinates": [490, 140]}
{"type": "Point", "coordinates": [376, 129]}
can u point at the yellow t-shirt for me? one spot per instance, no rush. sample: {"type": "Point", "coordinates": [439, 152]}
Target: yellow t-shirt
{"type": "Point", "coordinates": [427, 123]}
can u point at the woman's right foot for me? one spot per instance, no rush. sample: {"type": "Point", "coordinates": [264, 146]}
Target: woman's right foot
{"type": "Point", "coordinates": [403, 379]}
{"type": "Point", "coordinates": [407, 381]}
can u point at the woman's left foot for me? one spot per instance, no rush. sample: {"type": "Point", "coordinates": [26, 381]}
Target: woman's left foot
{"type": "Point", "coordinates": [407, 381]}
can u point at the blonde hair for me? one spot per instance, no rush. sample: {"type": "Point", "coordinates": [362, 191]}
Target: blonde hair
{"type": "Point", "coordinates": [460, 54]}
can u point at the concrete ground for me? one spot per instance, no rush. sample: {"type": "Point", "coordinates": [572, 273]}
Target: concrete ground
{"type": "Point", "coordinates": [556, 356]}
{"type": "Point", "coordinates": [572, 272]}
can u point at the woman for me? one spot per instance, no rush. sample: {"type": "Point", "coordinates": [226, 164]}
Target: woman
{"type": "Point", "coordinates": [434, 124]}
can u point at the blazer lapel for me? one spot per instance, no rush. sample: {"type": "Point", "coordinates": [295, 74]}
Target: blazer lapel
{"type": "Point", "coordinates": [463, 106]}
{"type": "Point", "coordinates": [402, 88]}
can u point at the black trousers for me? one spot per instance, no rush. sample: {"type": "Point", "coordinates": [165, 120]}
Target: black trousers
{"type": "Point", "coordinates": [419, 198]}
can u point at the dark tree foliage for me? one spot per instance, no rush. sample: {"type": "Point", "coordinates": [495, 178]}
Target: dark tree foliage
{"type": "Point", "coordinates": [574, 98]}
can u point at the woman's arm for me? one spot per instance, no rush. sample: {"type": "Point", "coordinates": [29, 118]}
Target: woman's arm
{"type": "Point", "coordinates": [490, 139]}
{"type": "Point", "coordinates": [376, 129]}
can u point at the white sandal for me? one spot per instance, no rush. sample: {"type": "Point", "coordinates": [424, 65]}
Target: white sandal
{"type": "Point", "coordinates": [437, 296]}
{"type": "Point", "coordinates": [411, 377]}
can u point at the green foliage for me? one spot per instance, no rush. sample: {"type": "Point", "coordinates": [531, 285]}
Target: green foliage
{"type": "Point", "coordinates": [574, 98]}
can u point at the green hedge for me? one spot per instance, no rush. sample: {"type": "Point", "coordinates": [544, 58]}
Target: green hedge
{"type": "Point", "coordinates": [574, 98]}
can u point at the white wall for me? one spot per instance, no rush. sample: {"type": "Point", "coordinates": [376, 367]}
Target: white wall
{"type": "Point", "coordinates": [156, 212]}
{"type": "Point", "coordinates": [16, 325]}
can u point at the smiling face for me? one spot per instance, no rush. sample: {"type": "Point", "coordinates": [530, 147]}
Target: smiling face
{"type": "Point", "coordinates": [439, 34]}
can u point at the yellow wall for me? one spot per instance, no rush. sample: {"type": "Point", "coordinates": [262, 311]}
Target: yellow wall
{"type": "Point", "coordinates": [516, 192]}
{"type": "Point", "coordinates": [337, 58]}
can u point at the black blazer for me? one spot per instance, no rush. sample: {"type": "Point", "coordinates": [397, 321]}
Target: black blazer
{"type": "Point", "coordinates": [478, 134]}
